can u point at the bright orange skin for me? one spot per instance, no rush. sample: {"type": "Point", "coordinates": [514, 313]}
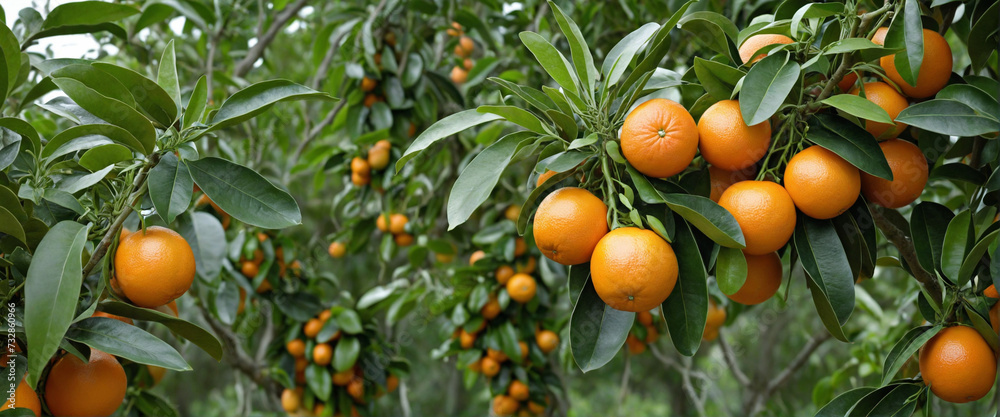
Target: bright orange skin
{"type": "Point", "coordinates": [368, 84]}
{"type": "Point", "coordinates": [755, 42]}
{"type": "Point", "coordinates": [909, 173]}
{"type": "Point", "coordinates": [75, 388]}
{"type": "Point", "coordinates": [822, 184]}
{"type": "Point", "coordinates": [378, 158]}
{"type": "Point", "coordinates": [644, 318]}
{"type": "Point", "coordinates": [889, 100]}
{"type": "Point", "coordinates": [504, 406]}
{"type": "Point", "coordinates": [547, 340]}
{"type": "Point", "coordinates": [503, 274]}
{"type": "Point", "coordinates": [312, 328]}
{"type": "Point", "coordinates": [476, 256]}
{"type": "Point", "coordinates": [459, 75]}
{"type": "Point", "coordinates": [290, 400]}
{"type": "Point", "coordinates": [249, 269]}
{"type": "Point", "coordinates": [496, 355]}
{"type": "Point", "coordinates": [341, 379]}
{"type": "Point", "coordinates": [568, 224]}
{"type": "Point", "coordinates": [490, 367]}
{"type": "Point", "coordinates": [465, 47]}
{"type": "Point", "coordinates": [716, 315]}
{"type": "Point", "coordinates": [391, 383]}
{"type": "Point", "coordinates": [935, 69]}
{"type": "Point", "coordinates": [722, 180]}
{"type": "Point", "coordinates": [337, 250]}
{"type": "Point", "coordinates": [527, 266]}
{"type": "Point", "coordinates": [635, 346]}
{"type": "Point", "coordinates": [991, 292]}
{"type": "Point", "coordinates": [519, 247]}
{"type": "Point", "coordinates": [544, 176]}
{"type": "Point", "coordinates": [727, 142]}
{"type": "Point", "coordinates": [512, 212]}
{"type": "Point", "coordinates": [356, 389]}
{"type": "Point", "coordinates": [518, 390]}
{"type": "Point", "coordinates": [847, 83]}
{"type": "Point", "coordinates": [491, 309]}
{"type": "Point", "coordinates": [659, 138]}
{"type": "Point", "coordinates": [24, 397]}
{"type": "Point", "coordinates": [403, 239]}
{"type": "Point", "coordinates": [466, 339]}
{"type": "Point", "coordinates": [652, 335]}
{"type": "Point", "coordinates": [155, 267]}
{"type": "Point", "coordinates": [296, 348]}
{"type": "Point", "coordinates": [763, 280]}
{"type": "Point", "coordinates": [711, 333]}
{"type": "Point", "coordinates": [633, 269]}
{"type": "Point", "coordinates": [765, 213]}
{"type": "Point", "coordinates": [125, 320]}
{"type": "Point", "coordinates": [397, 223]}
{"type": "Point", "coordinates": [524, 350]}
{"type": "Point", "coordinates": [521, 288]}
{"type": "Point", "coordinates": [958, 364]}
{"type": "Point", "coordinates": [322, 354]}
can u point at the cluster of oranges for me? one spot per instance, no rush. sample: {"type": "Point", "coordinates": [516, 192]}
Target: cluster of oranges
{"type": "Point", "coordinates": [645, 331]}
{"type": "Point", "coordinates": [395, 223]}
{"type": "Point", "coordinates": [368, 84]}
{"type": "Point", "coordinates": [517, 398]}
{"type": "Point", "coordinates": [377, 159]}
{"type": "Point", "coordinates": [714, 321]}
{"type": "Point", "coordinates": [250, 267]}
{"type": "Point", "coordinates": [463, 51]}
{"type": "Point", "coordinates": [224, 217]}
{"type": "Point", "coordinates": [310, 350]}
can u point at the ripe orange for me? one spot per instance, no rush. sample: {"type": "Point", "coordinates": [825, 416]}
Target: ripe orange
{"type": "Point", "coordinates": [360, 165]}
{"type": "Point", "coordinates": [476, 256]}
{"type": "Point", "coordinates": [125, 320]}
{"type": "Point", "coordinates": [635, 346]}
{"type": "Point", "coordinates": [296, 348]}
{"type": "Point", "coordinates": [909, 173]}
{"type": "Point", "coordinates": [547, 340]}
{"type": "Point", "coordinates": [322, 354]}
{"type": "Point", "coordinates": [337, 250]}
{"type": "Point", "coordinates": [935, 69]}
{"type": "Point", "coordinates": [397, 223]}
{"type": "Point", "coordinates": [391, 383]}
{"type": "Point", "coordinates": [490, 366]}
{"type": "Point", "coordinates": [847, 83]}
{"type": "Point", "coordinates": [633, 269]}
{"type": "Point", "coordinates": [156, 373]}
{"type": "Point", "coordinates": [716, 315]}
{"type": "Point", "coordinates": [403, 239]}
{"type": "Point", "coordinates": [343, 378]}
{"type": "Point", "coordinates": [491, 309]}
{"type": "Point", "coordinates": [75, 388]}
{"type": "Point", "coordinates": [644, 318]}
{"type": "Point", "coordinates": [521, 288]}
{"type": "Point", "coordinates": [711, 333]}
{"type": "Point", "coordinates": [568, 224]}
{"type": "Point", "coordinates": [467, 64]}
{"type": "Point", "coordinates": [727, 142]}
{"type": "Point", "coordinates": [312, 328]}
{"type": "Point", "coordinates": [524, 349]}
{"type": "Point", "coordinates": [249, 269]}
{"type": "Point", "coordinates": [378, 158]}
{"type": "Point", "coordinates": [659, 138]}
{"type": "Point", "coordinates": [459, 75]}
{"type": "Point", "coordinates": [24, 397]}
{"type": "Point", "coordinates": [503, 274]}
{"type": "Point", "coordinates": [526, 266]}
{"type": "Point", "coordinates": [466, 339]}
{"type": "Point", "coordinates": [356, 389]}
{"type": "Point", "coordinates": [154, 267]}
{"type": "Point", "coordinates": [455, 29]}
{"type": "Point", "coordinates": [290, 400]}
{"type": "Point", "coordinates": [371, 99]}
{"type": "Point", "coordinates": [536, 408]}
{"type": "Point", "coordinates": [519, 247]}
{"type": "Point", "coordinates": [958, 364]}
{"type": "Point", "coordinates": [465, 47]}
{"type": "Point", "coordinates": [652, 335]}
{"type": "Point", "coordinates": [518, 390]}
{"type": "Point", "coordinates": [722, 180]}
{"type": "Point", "coordinates": [544, 177]}
{"type": "Point", "coordinates": [765, 213]}
{"type": "Point", "coordinates": [476, 366]}
{"type": "Point", "coordinates": [889, 100]}
{"type": "Point", "coordinates": [368, 84]}
{"type": "Point", "coordinates": [512, 212]}
{"type": "Point", "coordinates": [822, 184]}
{"type": "Point", "coordinates": [504, 406]}
{"type": "Point", "coordinates": [763, 279]}
{"type": "Point", "coordinates": [991, 292]}
{"type": "Point", "coordinates": [360, 180]}
{"type": "Point", "coordinates": [496, 355]}
{"type": "Point", "coordinates": [752, 44]}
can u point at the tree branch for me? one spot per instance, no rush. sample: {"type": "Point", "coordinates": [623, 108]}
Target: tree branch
{"type": "Point", "coordinates": [316, 130]}
{"type": "Point", "coordinates": [904, 243]}
{"type": "Point", "coordinates": [727, 354]}
{"type": "Point", "coordinates": [255, 52]}
{"type": "Point", "coordinates": [815, 342]}
{"type": "Point", "coordinates": [234, 355]}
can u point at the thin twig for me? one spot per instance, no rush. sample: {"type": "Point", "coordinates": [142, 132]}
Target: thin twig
{"type": "Point", "coordinates": [255, 52]}
{"type": "Point", "coordinates": [316, 130]}
{"type": "Point", "coordinates": [814, 343]}
{"type": "Point", "coordinates": [904, 243]}
{"type": "Point", "coordinates": [730, 358]}
{"type": "Point", "coordinates": [623, 392]}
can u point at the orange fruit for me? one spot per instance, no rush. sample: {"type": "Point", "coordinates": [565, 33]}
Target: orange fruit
{"type": "Point", "coordinates": [391, 383]}
{"type": "Point", "coordinates": [847, 83]}
{"type": "Point", "coordinates": [519, 247]}
{"type": "Point", "coordinates": [465, 47]}
{"type": "Point", "coordinates": [547, 341]}
{"type": "Point", "coordinates": [476, 366]}
{"type": "Point", "coordinates": [343, 378]}
{"type": "Point", "coordinates": [763, 279]}
{"type": "Point", "coordinates": [384, 143]}
{"type": "Point", "coordinates": [173, 307]}
{"type": "Point", "coordinates": [154, 267]}
{"type": "Point", "coordinates": [504, 406]}
{"type": "Point", "coordinates": [935, 69]}
{"type": "Point", "coordinates": [991, 292]}
{"type": "Point", "coordinates": [476, 256]}
{"type": "Point", "coordinates": [716, 315]}
{"type": "Point", "coordinates": [909, 173]}
{"type": "Point", "coordinates": [491, 309]}
{"type": "Point", "coordinates": [568, 224]}
{"type": "Point", "coordinates": [368, 84]}
{"type": "Point", "coordinates": [322, 354]}
{"type": "Point", "coordinates": [403, 239]}
{"type": "Point", "coordinates": [889, 100]}
{"type": "Point", "coordinates": [397, 223]}
{"type": "Point", "coordinates": [249, 269]}
{"type": "Point", "coordinates": [296, 348]}
{"type": "Point", "coordinates": [467, 64]}
{"type": "Point", "coordinates": [370, 100]}
{"type": "Point", "coordinates": [518, 390]}
{"type": "Point", "coordinates": [765, 213]}
{"type": "Point", "coordinates": [544, 177]}
{"type": "Point", "coordinates": [644, 318]}
{"type": "Point", "coordinates": [752, 44]}
{"type": "Point", "coordinates": [23, 397]}
{"type": "Point", "coordinates": [156, 373]}
{"type": "Point", "coordinates": [290, 400]}
{"type": "Point", "coordinates": [356, 389]}
{"type": "Point", "coordinates": [958, 365]}
{"type": "Point", "coordinates": [411, 131]}
{"type": "Point", "coordinates": [360, 180]}
{"type": "Point", "coordinates": [360, 165]}
{"type": "Point", "coordinates": [711, 333]}
{"type": "Point", "coordinates": [526, 266]}
{"type": "Point", "coordinates": [822, 184]}
{"type": "Point", "coordinates": [512, 212]}
{"type": "Point", "coordinates": [75, 388]}
{"type": "Point", "coordinates": [125, 320]}
{"type": "Point", "coordinates": [466, 339]}
{"type": "Point", "coordinates": [378, 158]}
{"type": "Point", "coordinates": [659, 138]}
{"type": "Point", "coordinates": [312, 328]}
{"type": "Point", "coordinates": [652, 335]}
{"type": "Point", "coordinates": [503, 274]}
{"type": "Point", "coordinates": [319, 409]}
{"type": "Point", "coordinates": [264, 287]}
{"type": "Point", "coordinates": [536, 408]}
{"type": "Point", "coordinates": [459, 75]}
{"type": "Point", "coordinates": [496, 355]}
{"type": "Point", "coordinates": [722, 180]}
{"type": "Point", "coordinates": [337, 250]}
{"type": "Point", "coordinates": [635, 346]}
{"type": "Point", "coordinates": [390, 38]}
{"type": "Point", "coordinates": [455, 29]}
{"type": "Point", "coordinates": [524, 349]}
{"type": "Point", "coordinates": [727, 142]}
{"type": "Point", "coordinates": [490, 366]}
{"type": "Point", "coordinates": [521, 288]}
{"type": "Point", "coordinates": [633, 269]}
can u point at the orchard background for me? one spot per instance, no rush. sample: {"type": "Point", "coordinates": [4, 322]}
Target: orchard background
{"type": "Point", "coordinates": [421, 207]}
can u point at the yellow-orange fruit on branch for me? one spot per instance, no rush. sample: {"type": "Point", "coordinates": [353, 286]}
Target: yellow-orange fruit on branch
{"type": "Point", "coordinates": [659, 138]}
{"type": "Point", "coordinates": [75, 388]}
{"type": "Point", "coordinates": [154, 267]}
{"type": "Point", "coordinates": [633, 269]}
{"type": "Point", "coordinates": [568, 224]}
{"type": "Point", "coordinates": [958, 364]}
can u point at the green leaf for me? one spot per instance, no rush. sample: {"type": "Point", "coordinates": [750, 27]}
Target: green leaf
{"type": "Point", "coordinates": [975, 255]}
{"type": "Point", "coordinates": [904, 349]}
{"type": "Point", "coordinates": [858, 106]}
{"type": "Point", "coordinates": [718, 79]}
{"type": "Point", "coordinates": [843, 46]}
{"type": "Point", "coordinates": [813, 11]}
{"type": "Point", "coordinates": [981, 101]}
{"type": "Point", "coordinates": [170, 187]}
{"type": "Point", "coordinates": [10, 55]}
{"type": "Point", "coordinates": [190, 331]}
{"type": "Point", "coordinates": [103, 156]}
{"type": "Point", "coordinates": [507, 338]}
{"type": "Point", "coordinates": [766, 86]}
{"type": "Point", "coordinates": [244, 193]}
{"type": "Point", "coordinates": [928, 225]}
{"type": "Point", "coordinates": [891, 400]}
{"type": "Point", "coordinates": [825, 262]}
{"type": "Point", "coordinates": [150, 97]}
{"type": "Point", "coordinates": [906, 31]}
{"type": "Point", "coordinates": [948, 117]}
{"type": "Point", "coordinates": [9, 224]}
{"type": "Point", "coordinates": [443, 128]}
{"type": "Point", "coordinates": [622, 54]}
{"type": "Point", "coordinates": [582, 59]}
{"type": "Point", "coordinates": [195, 109]}
{"type": "Point", "coordinates": [596, 331]}
{"type": "Point", "coordinates": [110, 110]}
{"type": "Point", "coordinates": [476, 182]}
{"type": "Point", "coordinates": [69, 185]}
{"type": "Point", "coordinates": [519, 117]}
{"type": "Point", "coordinates": [850, 142]}
{"type": "Point", "coordinates": [958, 240]}
{"type": "Point", "coordinates": [51, 293]}
{"type": "Point", "coordinates": [730, 270]}
{"type": "Point", "coordinates": [101, 82]}
{"type": "Point", "coordinates": [166, 75]}
{"type": "Point", "coordinates": [659, 45]}
{"type": "Point", "coordinates": [55, 146]}
{"type": "Point", "coordinates": [843, 404]}
{"type": "Point", "coordinates": [714, 29]}
{"type": "Point", "coordinates": [552, 61]}
{"type": "Point", "coordinates": [83, 17]}
{"type": "Point", "coordinates": [346, 353]}
{"type": "Point", "coordinates": [24, 129]}
{"type": "Point", "coordinates": [127, 342]}
{"type": "Point", "coordinates": [708, 217]}
{"type": "Point", "coordinates": [686, 309]}
{"type": "Point", "coordinates": [257, 98]}
{"type": "Point", "coordinates": [982, 37]}
{"type": "Point", "coordinates": [350, 322]}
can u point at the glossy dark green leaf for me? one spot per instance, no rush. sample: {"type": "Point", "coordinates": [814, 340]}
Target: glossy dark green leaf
{"type": "Point", "coordinates": [981, 101]}
{"type": "Point", "coordinates": [714, 29]}
{"type": "Point", "coordinates": [443, 128]}
{"type": "Point", "coordinates": [195, 109]}
{"type": "Point", "coordinates": [730, 270]}
{"type": "Point", "coordinates": [203, 231]}
{"type": "Point", "coordinates": [686, 309]}
{"type": "Point", "coordinates": [596, 331]}
{"type": "Point", "coordinates": [507, 338]}
{"type": "Point", "coordinates": [825, 262]}
{"type": "Point", "coordinates": [957, 171]}
{"type": "Point", "coordinates": [766, 86]}
{"type": "Point", "coordinates": [476, 182]}
{"type": "Point", "coordinates": [83, 17]}
{"type": "Point", "coordinates": [843, 404]}
{"type": "Point", "coordinates": [708, 217]}
{"type": "Point", "coordinates": [850, 45]}
{"type": "Point", "coordinates": [320, 381]}
{"type": "Point", "coordinates": [583, 61]}
{"type": "Point", "coordinates": [153, 100]}
{"type": "Point", "coordinates": [906, 31]}
{"type": "Point", "coordinates": [152, 404]}
{"type": "Point", "coordinates": [858, 106]}
{"type": "Point", "coordinates": [126, 341]}
{"type": "Point", "coordinates": [904, 349]}
{"type": "Point", "coordinates": [982, 39]}
{"type": "Point", "coordinates": [190, 331]}
{"type": "Point", "coordinates": [958, 240]}
{"type": "Point", "coordinates": [718, 79]}
{"type": "Point", "coordinates": [519, 117]}
{"type": "Point", "coordinates": [813, 11]}
{"type": "Point", "coordinates": [346, 353]}
{"type": "Point", "coordinates": [350, 322]}
{"type": "Point", "coordinates": [101, 82]}
{"type": "Point", "coordinates": [11, 60]}
{"type": "Point", "coordinates": [975, 255]}
{"type": "Point", "coordinates": [170, 187]}
{"type": "Point", "coordinates": [579, 275]}
{"type": "Point", "coordinates": [166, 75]}
{"type": "Point", "coordinates": [622, 54]}
{"type": "Point", "coordinates": [256, 99]}
{"type": "Point", "coordinates": [552, 61]}
{"type": "Point", "coordinates": [57, 146]}
{"type": "Point", "coordinates": [928, 224]}
{"type": "Point", "coordinates": [102, 156]}
{"type": "Point", "coordinates": [52, 291]}
{"type": "Point", "coordinates": [9, 224]}
{"type": "Point", "coordinates": [110, 110]}
{"type": "Point", "coordinates": [890, 401]}
{"type": "Point", "coordinates": [244, 193]}
{"type": "Point", "coordinates": [659, 45]}
{"type": "Point", "coordinates": [948, 117]}
{"type": "Point", "coordinates": [850, 142]}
